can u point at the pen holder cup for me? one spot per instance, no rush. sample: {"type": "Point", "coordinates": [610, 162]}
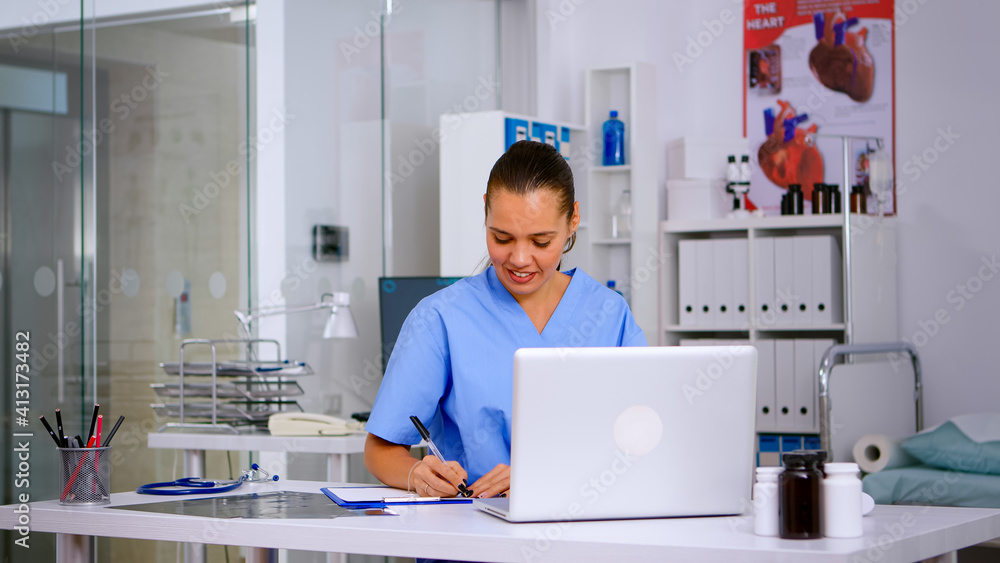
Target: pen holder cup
{"type": "Point", "coordinates": [85, 476]}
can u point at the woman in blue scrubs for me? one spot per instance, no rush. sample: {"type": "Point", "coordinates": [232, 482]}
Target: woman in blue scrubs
{"type": "Point", "coordinates": [452, 365]}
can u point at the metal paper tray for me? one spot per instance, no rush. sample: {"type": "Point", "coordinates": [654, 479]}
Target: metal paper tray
{"type": "Point", "coordinates": [240, 369]}
{"type": "Point", "coordinates": [226, 412]}
{"type": "Point", "coordinates": [264, 389]}
{"type": "Point", "coordinates": [256, 389]}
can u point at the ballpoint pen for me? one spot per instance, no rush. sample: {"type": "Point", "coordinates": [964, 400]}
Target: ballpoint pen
{"type": "Point", "coordinates": [62, 437]}
{"type": "Point", "coordinates": [93, 420]}
{"type": "Point", "coordinates": [463, 486]}
{"type": "Point", "coordinates": [97, 434]}
{"type": "Point", "coordinates": [107, 441]}
{"type": "Point", "coordinates": [52, 433]}
{"type": "Point", "coordinates": [410, 499]}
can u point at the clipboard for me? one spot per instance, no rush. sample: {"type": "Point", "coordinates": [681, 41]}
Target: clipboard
{"type": "Point", "coordinates": [380, 497]}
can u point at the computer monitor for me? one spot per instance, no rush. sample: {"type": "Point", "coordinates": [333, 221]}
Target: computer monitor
{"type": "Point", "coordinates": [397, 297]}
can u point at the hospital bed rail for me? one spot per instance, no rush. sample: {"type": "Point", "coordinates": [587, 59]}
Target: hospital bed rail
{"type": "Point", "coordinates": [826, 368]}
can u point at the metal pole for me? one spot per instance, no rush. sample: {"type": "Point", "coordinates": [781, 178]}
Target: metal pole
{"type": "Point", "coordinates": [826, 367]}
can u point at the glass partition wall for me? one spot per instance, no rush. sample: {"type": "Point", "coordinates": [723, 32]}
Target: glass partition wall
{"type": "Point", "coordinates": [128, 151]}
{"type": "Point", "coordinates": [48, 189]}
{"type": "Point", "coordinates": [439, 57]}
{"type": "Point", "coordinates": [124, 180]}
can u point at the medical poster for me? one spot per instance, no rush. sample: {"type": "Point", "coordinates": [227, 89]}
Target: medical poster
{"type": "Point", "coordinates": [815, 70]}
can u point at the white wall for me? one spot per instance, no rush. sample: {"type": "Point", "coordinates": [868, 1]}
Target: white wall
{"type": "Point", "coordinates": [947, 215]}
{"type": "Point", "coordinates": [948, 222]}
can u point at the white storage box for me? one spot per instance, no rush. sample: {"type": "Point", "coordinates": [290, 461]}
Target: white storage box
{"type": "Point", "coordinates": [699, 157]}
{"type": "Point", "coordinates": [696, 200]}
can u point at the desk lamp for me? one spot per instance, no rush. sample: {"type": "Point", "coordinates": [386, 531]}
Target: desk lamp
{"type": "Point", "coordinates": [340, 323]}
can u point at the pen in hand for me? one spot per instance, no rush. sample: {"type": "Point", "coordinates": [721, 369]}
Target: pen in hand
{"type": "Point", "coordinates": [463, 486]}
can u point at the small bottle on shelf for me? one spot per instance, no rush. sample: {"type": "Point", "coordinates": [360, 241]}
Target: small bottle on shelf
{"type": "Point", "coordinates": [797, 205]}
{"type": "Point", "coordinates": [614, 140]}
{"type": "Point", "coordinates": [621, 217]}
{"type": "Point", "coordinates": [859, 204]}
{"type": "Point", "coordinates": [817, 198]}
{"type": "Point", "coordinates": [625, 292]}
{"type": "Point", "coordinates": [835, 197]}
{"type": "Point", "coordinates": [611, 286]}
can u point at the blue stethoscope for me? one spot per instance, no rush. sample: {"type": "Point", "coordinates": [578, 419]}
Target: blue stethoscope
{"type": "Point", "coordinates": [198, 486]}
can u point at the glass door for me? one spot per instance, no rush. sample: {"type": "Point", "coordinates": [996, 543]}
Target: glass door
{"type": "Point", "coordinates": [126, 159]}
{"type": "Point", "coordinates": [44, 186]}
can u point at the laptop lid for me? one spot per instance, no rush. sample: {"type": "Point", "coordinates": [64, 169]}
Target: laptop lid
{"type": "Point", "coordinates": [632, 432]}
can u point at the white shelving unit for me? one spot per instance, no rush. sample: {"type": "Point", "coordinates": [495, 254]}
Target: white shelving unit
{"type": "Point", "coordinates": [867, 292]}
{"type": "Point", "coordinates": [870, 313]}
{"type": "Point", "coordinates": [631, 262]}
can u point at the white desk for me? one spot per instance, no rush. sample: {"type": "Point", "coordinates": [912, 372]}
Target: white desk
{"type": "Point", "coordinates": [893, 534]}
{"type": "Point", "coordinates": [195, 444]}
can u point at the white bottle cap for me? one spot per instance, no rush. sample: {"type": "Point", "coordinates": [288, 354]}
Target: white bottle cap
{"type": "Point", "coordinates": [768, 473]}
{"type": "Point", "coordinates": [841, 468]}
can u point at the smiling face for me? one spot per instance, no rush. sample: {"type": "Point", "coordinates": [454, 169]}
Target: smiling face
{"type": "Point", "coordinates": [526, 235]}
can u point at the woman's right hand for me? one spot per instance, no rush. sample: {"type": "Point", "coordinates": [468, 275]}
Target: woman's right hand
{"type": "Point", "coordinates": [433, 478]}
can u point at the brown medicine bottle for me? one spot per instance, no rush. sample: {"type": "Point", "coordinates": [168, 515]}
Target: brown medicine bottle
{"type": "Point", "coordinates": [799, 485]}
{"type": "Point", "coordinates": [859, 203]}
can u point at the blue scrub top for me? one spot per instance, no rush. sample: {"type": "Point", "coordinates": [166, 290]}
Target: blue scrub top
{"type": "Point", "coordinates": [452, 365]}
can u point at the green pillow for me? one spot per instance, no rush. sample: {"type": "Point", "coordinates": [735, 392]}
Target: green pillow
{"type": "Point", "coordinates": [947, 447]}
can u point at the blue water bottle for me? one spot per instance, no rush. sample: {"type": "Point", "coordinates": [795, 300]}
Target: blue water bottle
{"type": "Point", "coordinates": [614, 141]}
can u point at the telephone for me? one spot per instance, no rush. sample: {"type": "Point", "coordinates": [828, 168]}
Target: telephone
{"type": "Point", "coordinates": [310, 424]}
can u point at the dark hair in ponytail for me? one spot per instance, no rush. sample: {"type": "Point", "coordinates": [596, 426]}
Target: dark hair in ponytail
{"type": "Point", "coordinates": [528, 166]}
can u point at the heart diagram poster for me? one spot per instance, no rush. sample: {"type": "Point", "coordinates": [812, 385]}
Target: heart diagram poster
{"type": "Point", "coordinates": [814, 71]}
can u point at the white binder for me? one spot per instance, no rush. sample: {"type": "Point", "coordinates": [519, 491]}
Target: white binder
{"type": "Point", "coordinates": [766, 417]}
{"type": "Point", "coordinates": [741, 283]}
{"type": "Point", "coordinates": [827, 280]}
{"type": "Point", "coordinates": [687, 271]}
{"type": "Point", "coordinates": [784, 281]}
{"type": "Point", "coordinates": [802, 262]}
{"type": "Point", "coordinates": [705, 282]}
{"type": "Point", "coordinates": [722, 253]}
{"type": "Point", "coordinates": [806, 373]}
{"type": "Point", "coordinates": [784, 384]}
{"type": "Point", "coordinates": [764, 313]}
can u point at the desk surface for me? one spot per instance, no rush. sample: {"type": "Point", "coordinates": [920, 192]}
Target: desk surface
{"type": "Point", "coordinates": [892, 533]}
{"type": "Point", "coordinates": [259, 442]}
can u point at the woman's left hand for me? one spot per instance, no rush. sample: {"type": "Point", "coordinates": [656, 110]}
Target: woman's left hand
{"type": "Point", "coordinates": [494, 483]}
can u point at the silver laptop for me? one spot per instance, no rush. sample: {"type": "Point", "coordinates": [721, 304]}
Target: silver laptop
{"type": "Point", "coordinates": [602, 433]}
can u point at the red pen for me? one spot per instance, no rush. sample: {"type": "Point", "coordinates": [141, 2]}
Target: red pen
{"type": "Point", "coordinates": [100, 420]}
{"type": "Point", "coordinates": [96, 438]}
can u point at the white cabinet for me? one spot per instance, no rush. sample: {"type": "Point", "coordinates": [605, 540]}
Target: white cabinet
{"type": "Point", "coordinates": [805, 286]}
{"type": "Point", "coordinates": [632, 261]}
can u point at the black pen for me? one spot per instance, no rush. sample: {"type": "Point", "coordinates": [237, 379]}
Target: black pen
{"type": "Point", "coordinates": [463, 486]}
{"type": "Point", "coordinates": [51, 432]}
{"type": "Point", "coordinates": [64, 441]}
{"type": "Point", "coordinates": [93, 420]}
{"type": "Point", "coordinates": [107, 441]}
